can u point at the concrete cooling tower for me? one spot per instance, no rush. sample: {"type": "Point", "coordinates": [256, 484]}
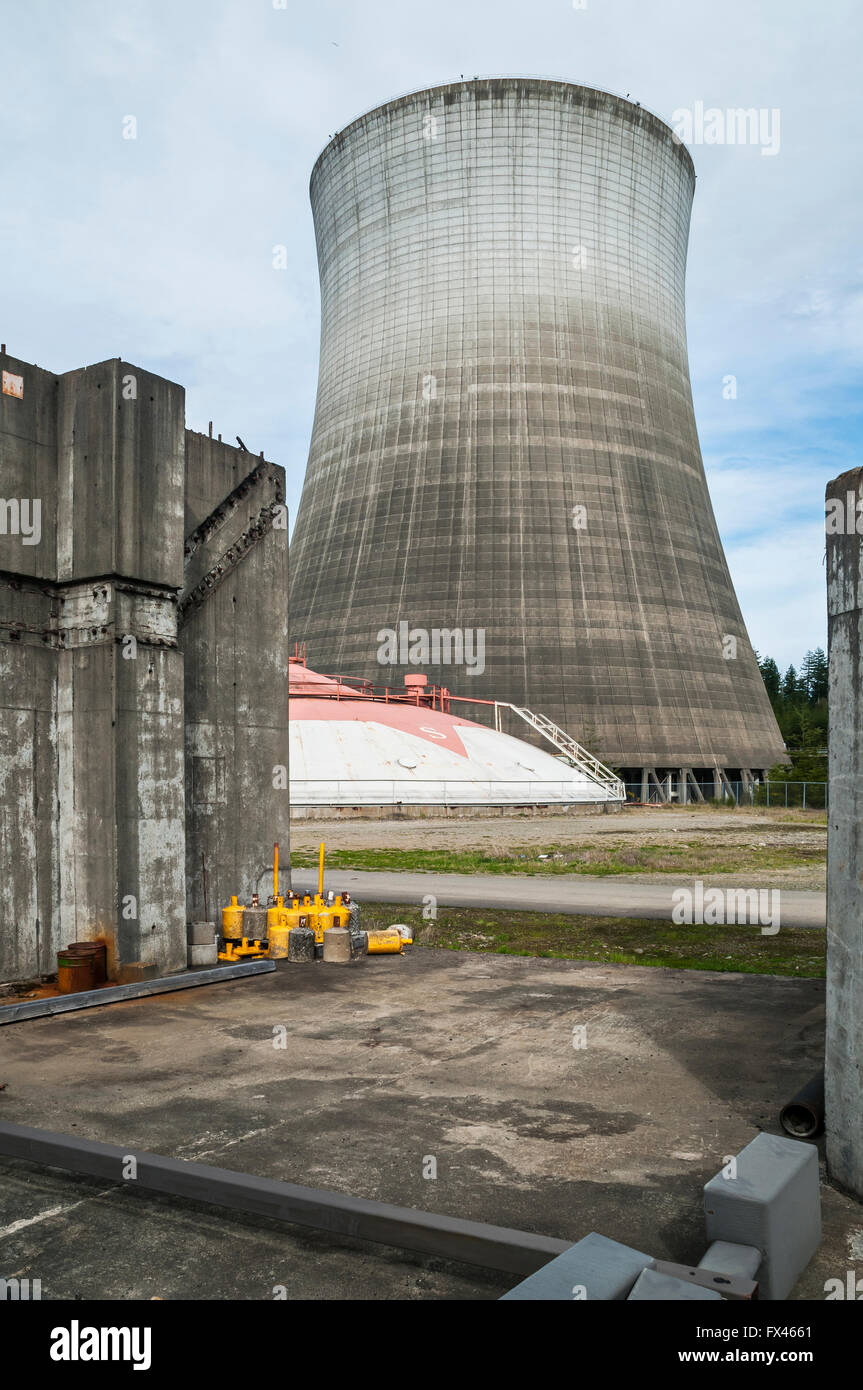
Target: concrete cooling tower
{"type": "Point", "coordinates": [505, 488]}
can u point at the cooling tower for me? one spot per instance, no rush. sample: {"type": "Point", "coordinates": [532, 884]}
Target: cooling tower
{"type": "Point", "coordinates": [505, 487]}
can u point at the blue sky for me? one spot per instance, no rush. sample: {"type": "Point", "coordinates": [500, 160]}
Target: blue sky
{"type": "Point", "coordinates": [159, 249]}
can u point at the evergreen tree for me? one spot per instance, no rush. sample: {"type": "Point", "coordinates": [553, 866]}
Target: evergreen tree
{"type": "Point", "coordinates": [800, 706]}
{"type": "Point", "coordinates": [814, 675]}
{"type": "Point", "coordinates": [790, 686]}
{"type": "Point", "coordinates": [770, 675]}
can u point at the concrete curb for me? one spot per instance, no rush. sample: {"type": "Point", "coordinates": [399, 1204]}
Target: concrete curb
{"type": "Point", "coordinates": [450, 1237]}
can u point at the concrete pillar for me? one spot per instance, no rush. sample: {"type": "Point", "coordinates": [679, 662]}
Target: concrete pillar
{"type": "Point", "coordinates": [844, 1041]}
{"type": "Point", "coordinates": [121, 455]}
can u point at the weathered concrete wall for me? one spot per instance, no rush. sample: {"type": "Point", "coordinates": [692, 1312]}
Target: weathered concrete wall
{"type": "Point", "coordinates": [234, 634]}
{"type": "Point", "coordinates": [28, 470]}
{"type": "Point", "coordinates": [93, 685]}
{"type": "Point", "coordinates": [28, 787]}
{"type": "Point", "coordinates": [844, 1041]}
{"type": "Point", "coordinates": [122, 454]}
{"type": "Point", "coordinates": [28, 672]}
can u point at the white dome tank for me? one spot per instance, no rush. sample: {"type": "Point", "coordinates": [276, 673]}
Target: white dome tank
{"type": "Point", "coordinates": [354, 746]}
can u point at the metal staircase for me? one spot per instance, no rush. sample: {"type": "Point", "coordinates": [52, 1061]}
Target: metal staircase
{"type": "Point", "coordinates": [575, 755]}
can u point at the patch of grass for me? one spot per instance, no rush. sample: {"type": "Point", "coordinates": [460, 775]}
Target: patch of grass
{"type": "Point", "coordinates": [693, 856]}
{"type": "Point", "coordinates": [620, 940]}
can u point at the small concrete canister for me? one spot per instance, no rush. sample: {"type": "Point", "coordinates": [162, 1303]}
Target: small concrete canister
{"type": "Point", "coordinates": [337, 946]}
{"type": "Point", "coordinates": [301, 944]}
{"type": "Point", "coordinates": [255, 923]}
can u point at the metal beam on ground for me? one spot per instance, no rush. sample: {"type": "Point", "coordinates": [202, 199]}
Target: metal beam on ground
{"type": "Point", "coordinates": [136, 989]}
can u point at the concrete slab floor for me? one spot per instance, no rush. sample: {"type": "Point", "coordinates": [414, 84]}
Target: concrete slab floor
{"type": "Point", "coordinates": [460, 1058]}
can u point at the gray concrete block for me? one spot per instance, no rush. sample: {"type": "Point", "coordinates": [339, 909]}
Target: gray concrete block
{"type": "Point", "coordinates": [772, 1203]}
{"type": "Point", "coordinates": [723, 1257]}
{"type": "Point", "coordinates": [653, 1286]}
{"type": "Point", "coordinates": [204, 955]}
{"type": "Point", "coordinates": [729, 1285]}
{"type": "Point", "coordinates": [595, 1268]}
{"type": "Point", "coordinates": [201, 933]}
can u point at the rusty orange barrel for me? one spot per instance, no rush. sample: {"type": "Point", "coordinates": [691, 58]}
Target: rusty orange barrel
{"type": "Point", "coordinates": [96, 950]}
{"type": "Point", "coordinates": [75, 972]}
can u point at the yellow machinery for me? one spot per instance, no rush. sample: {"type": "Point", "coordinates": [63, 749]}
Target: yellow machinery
{"type": "Point", "coordinates": [319, 912]}
{"type": "Point", "coordinates": [237, 944]}
{"type": "Point", "coordinates": [321, 915]}
{"type": "Point", "coordinates": [277, 916]}
{"type": "Point", "coordinates": [241, 950]}
{"type": "Point", "coordinates": [278, 939]}
{"type": "Point", "coordinates": [232, 920]}
{"type": "Point", "coordinates": [385, 943]}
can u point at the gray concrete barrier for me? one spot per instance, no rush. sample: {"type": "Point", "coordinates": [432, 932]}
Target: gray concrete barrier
{"type": "Point", "coordinates": [768, 1198]}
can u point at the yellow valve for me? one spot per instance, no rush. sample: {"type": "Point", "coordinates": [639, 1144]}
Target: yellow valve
{"type": "Point", "coordinates": [321, 872]}
{"type": "Point", "coordinates": [277, 918]}
{"type": "Point", "coordinates": [293, 914]}
{"type": "Point", "coordinates": [232, 920]}
{"type": "Point", "coordinates": [326, 919]}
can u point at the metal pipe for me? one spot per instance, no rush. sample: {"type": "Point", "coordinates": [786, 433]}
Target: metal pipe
{"type": "Point", "coordinates": [321, 871]}
{"type": "Point", "coordinates": [803, 1116]}
{"type": "Point", "coordinates": [276, 869]}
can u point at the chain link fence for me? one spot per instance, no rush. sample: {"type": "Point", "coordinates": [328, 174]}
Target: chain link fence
{"type": "Point", "coordinates": [808, 795]}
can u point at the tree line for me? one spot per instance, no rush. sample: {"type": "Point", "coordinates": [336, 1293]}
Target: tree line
{"type": "Point", "coordinates": [799, 700]}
